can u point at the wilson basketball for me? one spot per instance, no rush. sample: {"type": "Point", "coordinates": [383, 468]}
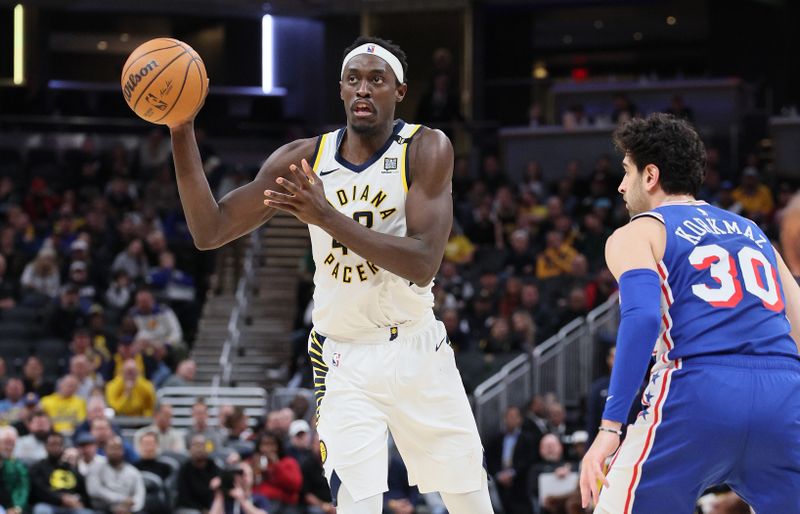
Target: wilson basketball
{"type": "Point", "coordinates": [164, 81]}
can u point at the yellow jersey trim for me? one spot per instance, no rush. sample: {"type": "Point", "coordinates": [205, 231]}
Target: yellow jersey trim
{"type": "Point", "coordinates": [319, 151]}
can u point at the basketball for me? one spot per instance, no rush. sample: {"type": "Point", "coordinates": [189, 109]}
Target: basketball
{"type": "Point", "coordinates": [164, 81]}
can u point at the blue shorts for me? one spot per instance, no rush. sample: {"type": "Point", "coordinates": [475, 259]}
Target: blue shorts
{"type": "Point", "coordinates": [706, 421]}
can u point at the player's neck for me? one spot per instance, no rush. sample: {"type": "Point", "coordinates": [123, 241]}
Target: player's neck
{"type": "Point", "coordinates": [673, 199]}
{"type": "Point", "coordinates": [358, 146]}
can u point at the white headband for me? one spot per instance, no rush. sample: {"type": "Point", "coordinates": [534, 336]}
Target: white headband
{"type": "Point", "coordinates": [374, 49]}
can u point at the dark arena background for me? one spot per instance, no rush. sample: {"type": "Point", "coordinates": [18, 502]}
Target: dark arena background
{"type": "Point", "coordinates": [113, 323]}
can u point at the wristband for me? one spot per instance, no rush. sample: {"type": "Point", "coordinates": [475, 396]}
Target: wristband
{"type": "Point", "coordinates": [611, 430]}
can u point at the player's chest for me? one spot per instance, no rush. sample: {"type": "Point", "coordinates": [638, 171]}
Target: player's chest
{"type": "Point", "coordinates": [375, 200]}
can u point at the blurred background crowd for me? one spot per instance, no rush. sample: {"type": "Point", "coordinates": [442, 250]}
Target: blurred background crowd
{"type": "Point", "coordinates": [105, 304]}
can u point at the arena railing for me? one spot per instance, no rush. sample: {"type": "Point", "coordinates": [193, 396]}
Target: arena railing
{"type": "Point", "coordinates": [564, 364]}
{"type": "Point", "coordinates": [238, 313]}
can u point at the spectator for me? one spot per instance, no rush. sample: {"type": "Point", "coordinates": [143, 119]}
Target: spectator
{"type": "Point", "coordinates": [499, 340]}
{"type": "Point", "coordinates": [299, 441]}
{"type": "Point", "coordinates": [520, 260]}
{"type": "Point", "coordinates": [102, 336]}
{"type": "Point", "coordinates": [79, 278]}
{"type": "Point", "coordinates": [31, 448]}
{"type": "Point", "coordinates": [8, 289]}
{"type": "Point", "coordinates": [102, 432]}
{"type": "Point", "coordinates": [116, 485]}
{"type": "Point", "coordinates": [754, 197]}
{"type": "Point", "coordinates": [148, 456]}
{"type": "Point", "coordinates": [127, 349]}
{"type": "Point", "coordinates": [279, 421]}
{"type": "Point", "coordinates": [790, 235]}
{"type": "Point", "coordinates": [556, 259]}
{"type": "Point", "coordinates": [458, 337]}
{"type": "Point", "coordinates": [679, 109]}
{"type": "Point", "coordinates": [509, 458]}
{"type": "Point", "coordinates": [183, 376]}
{"type": "Point", "coordinates": [67, 315]}
{"type": "Point", "coordinates": [82, 370]}
{"type": "Point", "coordinates": [316, 492]}
{"type": "Point", "coordinates": [34, 379]}
{"type": "Point", "coordinates": [56, 486]}
{"type": "Point", "coordinates": [88, 459]}
{"type": "Point", "coordinates": [400, 498]}
{"type": "Point", "coordinates": [523, 331]}
{"type": "Point", "coordinates": [240, 498]}
{"type": "Point", "coordinates": [65, 408]}
{"type": "Point", "coordinates": [41, 276]}
{"type": "Point", "coordinates": [169, 439]}
{"type": "Point", "coordinates": [130, 394]}
{"type": "Point", "coordinates": [214, 436]}
{"type": "Point", "coordinates": [30, 407]}
{"type": "Point", "coordinates": [171, 284]}
{"type": "Point", "coordinates": [132, 260]}
{"type": "Point", "coordinates": [277, 475]}
{"type": "Point", "coordinates": [14, 481]}
{"type": "Point", "coordinates": [597, 397]}
{"type": "Point", "coordinates": [237, 426]}
{"type": "Point", "coordinates": [552, 453]}
{"type": "Point", "coordinates": [119, 293]}
{"type": "Point", "coordinates": [195, 493]}
{"type": "Point", "coordinates": [556, 417]}
{"type": "Point", "coordinates": [155, 321]}
{"type": "Point", "coordinates": [81, 344]}
{"type": "Point", "coordinates": [624, 109]}
{"type": "Point", "coordinates": [535, 422]}
{"type": "Point", "coordinates": [11, 406]}
{"type": "Point", "coordinates": [95, 409]}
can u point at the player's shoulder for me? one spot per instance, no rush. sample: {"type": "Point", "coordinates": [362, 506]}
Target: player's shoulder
{"type": "Point", "coordinates": [642, 229]}
{"type": "Point", "coordinates": [430, 154]}
{"type": "Point", "coordinates": [300, 148]}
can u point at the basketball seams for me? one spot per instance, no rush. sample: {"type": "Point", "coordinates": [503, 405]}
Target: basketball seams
{"type": "Point", "coordinates": [178, 97]}
{"type": "Point", "coordinates": [126, 70]}
{"type": "Point", "coordinates": [166, 66]}
{"type": "Point", "coordinates": [203, 81]}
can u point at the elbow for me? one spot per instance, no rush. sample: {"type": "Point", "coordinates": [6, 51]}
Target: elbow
{"type": "Point", "coordinates": [205, 244]}
{"type": "Point", "coordinates": [423, 275]}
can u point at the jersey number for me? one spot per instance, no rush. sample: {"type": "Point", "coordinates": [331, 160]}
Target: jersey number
{"type": "Point", "coordinates": [366, 216]}
{"type": "Point", "coordinates": [724, 271]}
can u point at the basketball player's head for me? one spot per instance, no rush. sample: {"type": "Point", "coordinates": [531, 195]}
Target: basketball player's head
{"type": "Point", "coordinates": [373, 81]}
{"type": "Point", "coordinates": [663, 156]}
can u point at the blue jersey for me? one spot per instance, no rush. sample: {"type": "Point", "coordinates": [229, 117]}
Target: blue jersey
{"type": "Point", "coordinates": [721, 291]}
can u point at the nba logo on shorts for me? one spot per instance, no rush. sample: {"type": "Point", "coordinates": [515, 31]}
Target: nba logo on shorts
{"type": "Point", "coordinates": [371, 49]}
{"type": "Point", "coordinates": [336, 358]}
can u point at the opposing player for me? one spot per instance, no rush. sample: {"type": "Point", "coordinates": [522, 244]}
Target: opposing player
{"type": "Point", "coordinates": [723, 398]}
{"type": "Point", "coordinates": [376, 196]}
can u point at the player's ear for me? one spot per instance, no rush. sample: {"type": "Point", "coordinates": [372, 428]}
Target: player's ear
{"type": "Point", "coordinates": [341, 94]}
{"type": "Point", "coordinates": [651, 176]}
{"type": "Point", "coordinates": [400, 92]}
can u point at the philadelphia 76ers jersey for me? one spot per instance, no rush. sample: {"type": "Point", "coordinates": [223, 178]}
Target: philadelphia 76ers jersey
{"type": "Point", "coordinates": [720, 287]}
{"type": "Point", "coordinates": [355, 299]}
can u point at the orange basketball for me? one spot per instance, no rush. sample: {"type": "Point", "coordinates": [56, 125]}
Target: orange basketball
{"type": "Point", "coordinates": [164, 81]}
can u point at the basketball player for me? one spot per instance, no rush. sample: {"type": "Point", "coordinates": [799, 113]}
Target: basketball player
{"type": "Point", "coordinates": [376, 196]}
{"type": "Point", "coordinates": [723, 398]}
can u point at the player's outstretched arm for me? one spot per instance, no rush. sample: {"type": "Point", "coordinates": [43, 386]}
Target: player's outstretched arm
{"type": "Point", "coordinates": [213, 223]}
{"type": "Point", "coordinates": [791, 292]}
{"type": "Point", "coordinates": [429, 212]}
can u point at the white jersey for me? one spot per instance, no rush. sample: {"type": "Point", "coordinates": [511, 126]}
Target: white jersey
{"type": "Point", "coordinates": [354, 299]}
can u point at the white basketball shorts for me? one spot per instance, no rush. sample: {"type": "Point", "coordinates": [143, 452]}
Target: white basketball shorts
{"type": "Point", "coordinates": [406, 382]}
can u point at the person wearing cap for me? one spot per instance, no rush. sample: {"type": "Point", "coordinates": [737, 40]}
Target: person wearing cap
{"type": "Point", "coordinates": [377, 197]}
{"type": "Point", "coordinates": [79, 278]}
{"type": "Point", "coordinates": [31, 448]}
{"type": "Point", "coordinates": [88, 458]}
{"type": "Point", "coordinates": [299, 441]}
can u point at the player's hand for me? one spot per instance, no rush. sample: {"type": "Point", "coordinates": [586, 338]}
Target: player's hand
{"type": "Point", "coordinates": [603, 446]}
{"type": "Point", "coordinates": [190, 119]}
{"type": "Point", "coordinates": [305, 196]}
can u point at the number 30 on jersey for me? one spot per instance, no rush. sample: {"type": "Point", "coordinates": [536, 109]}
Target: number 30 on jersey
{"type": "Point", "coordinates": [758, 275]}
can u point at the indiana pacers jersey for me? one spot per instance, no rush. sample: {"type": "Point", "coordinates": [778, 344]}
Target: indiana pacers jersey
{"type": "Point", "coordinates": [721, 291]}
{"type": "Point", "coordinates": [355, 299]}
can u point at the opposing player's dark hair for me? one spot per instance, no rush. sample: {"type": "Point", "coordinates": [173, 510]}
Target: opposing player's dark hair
{"type": "Point", "coordinates": [385, 43]}
{"type": "Point", "coordinates": [669, 143]}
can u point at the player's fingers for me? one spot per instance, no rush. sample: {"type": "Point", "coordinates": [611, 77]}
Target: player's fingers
{"type": "Point", "coordinates": [298, 177]}
{"type": "Point", "coordinates": [309, 171]}
{"type": "Point", "coordinates": [287, 184]}
{"type": "Point", "coordinates": [586, 492]}
{"type": "Point", "coordinates": [275, 195]}
{"type": "Point", "coordinates": [281, 206]}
